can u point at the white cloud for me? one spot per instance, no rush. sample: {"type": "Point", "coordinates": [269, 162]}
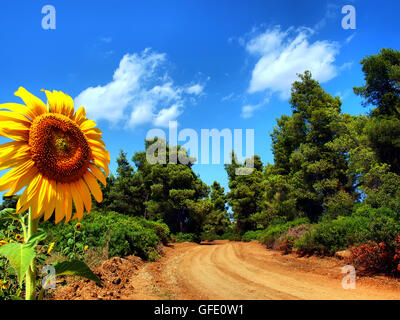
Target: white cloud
{"type": "Point", "coordinates": [331, 14]}
{"type": "Point", "coordinates": [350, 37]}
{"type": "Point", "coordinates": [195, 89]}
{"type": "Point", "coordinates": [138, 93]}
{"type": "Point", "coordinates": [248, 110]}
{"type": "Point", "coordinates": [228, 97]}
{"type": "Point", "coordinates": [283, 54]}
{"type": "Point", "coordinates": [167, 114]}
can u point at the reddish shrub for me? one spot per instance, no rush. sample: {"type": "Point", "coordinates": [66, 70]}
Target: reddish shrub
{"type": "Point", "coordinates": [286, 245]}
{"type": "Point", "coordinates": [372, 257]}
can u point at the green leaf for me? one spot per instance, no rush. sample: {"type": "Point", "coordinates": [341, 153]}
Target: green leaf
{"type": "Point", "coordinates": [35, 239]}
{"type": "Point", "coordinates": [75, 268]}
{"type": "Point", "coordinates": [9, 213]}
{"type": "Point", "coordinates": [20, 256]}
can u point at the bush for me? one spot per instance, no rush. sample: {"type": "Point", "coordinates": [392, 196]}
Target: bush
{"type": "Point", "coordinates": [231, 236]}
{"type": "Point", "coordinates": [364, 225]}
{"type": "Point", "coordinates": [251, 235]}
{"type": "Point", "coordinates": [273, 232]}
{"type": "Point", "coordinates": [286, 245]}
{"type": "Point", "coordinates": [372, 258]}
{"type": "Point", "coordinates": [305, 244]}
{"type": "Point", "coordinates": [208, 236]}
{"type": "Point", "coordinates": [286, 241]}
{"type": "Point", "coordinates": [124, 235]}
{"type": "Point", "coordinates": [185, 237]}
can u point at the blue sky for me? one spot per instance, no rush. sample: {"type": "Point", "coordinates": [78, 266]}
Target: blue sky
{"type": "Point", "coordinates": [206, 64]}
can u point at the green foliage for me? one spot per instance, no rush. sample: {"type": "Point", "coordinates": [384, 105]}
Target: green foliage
{"type": "Point", "coordinates": [246, 193]}
{"type": "Point", "coordinates": [75, 268]}
{"type": "Point", "coordinates": [382, 77]}
{"type": "Point", "coordinates": [20, 256]}
{"type": "Point", "coordinates": [382, 90]}
{"type": "Point", "coordinates": [364, 225]}
{"type": "Point", "coordinates": [274, 231]}
{"type": "Point", "coordinates": [123, 235]}
{"type": "Point", "coordinates": [252, 235]}
{"type": "Point", "coordinates": [231, 236]}
{"type": "Point", "coordinates": [185, 237]}
{"type": "Point", "coordinates": [159, 190]}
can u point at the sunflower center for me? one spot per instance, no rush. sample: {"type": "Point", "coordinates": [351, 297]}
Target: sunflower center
{"type": "Point", "coordinates": [59, 148]}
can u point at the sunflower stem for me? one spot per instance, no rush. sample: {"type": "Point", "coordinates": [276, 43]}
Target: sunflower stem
{"type": "Point", "coordinates": [30, 284]}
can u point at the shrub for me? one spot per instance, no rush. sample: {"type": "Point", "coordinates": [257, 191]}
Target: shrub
{"type": "Point", "coordinates": [380, 225]}
{"type": "Point", "coordinates": [286, 245]}
{"type": "Point", "coordinates": [124, 235]}
{"type": "Point", "coordinates": [286, 241]}
{"type": "Point", "coordinates": [185, 237]}
{"type": "Point", "coordinates": [231, 236]}
{"type": "Point", "coordinates": [372, 258]}
{"type": "Point", "coordinates": [208, 235]}
{"type": "Point", "coordinates": [364, 225]}
{"type": "Point", "coordinates": [306, 243]}
{"type": "Point", "coordinates": [273, 232]}
{"type": "Point", "coordinates": [251, 235]}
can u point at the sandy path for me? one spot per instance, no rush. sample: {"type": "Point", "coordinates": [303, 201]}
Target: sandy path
{"type": "Point", "coordinates": [239, 270]}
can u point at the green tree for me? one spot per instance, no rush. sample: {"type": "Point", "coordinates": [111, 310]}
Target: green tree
{"type": "Point", "coordinates": [382, 91]}
{"type": "Point", "coordinates": [217, 219]}
{"type": "Point", "coordinates": [311, 165]}
{"type": "Point", "coordinates": [246, 192]}
{"type": "Point", "coordinates": [126, 190]}
{"type": "Point", "coordinates": [169, 187]}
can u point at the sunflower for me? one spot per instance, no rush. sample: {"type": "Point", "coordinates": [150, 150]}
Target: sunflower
{"type": "Point", "coordinates": [18, 237]}
{"type": "Point", "coordinates": [57, 154]}
{"type": "Point", "coordinates": [78, 226]}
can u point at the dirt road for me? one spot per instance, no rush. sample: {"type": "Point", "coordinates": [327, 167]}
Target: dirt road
{"type": "Point", "coordinates": [239, 270]}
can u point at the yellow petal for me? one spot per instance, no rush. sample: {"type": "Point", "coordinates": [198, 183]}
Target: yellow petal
{"type": "Point", "coordinates": [93, 186]}
{"type": "Point", "coordinates": [98, 174]}
{"type": "Point", "coordinates": [100, 155]}
{"type": "Point", "coordinates": [96, 143]}
{"type": "Point", "coordinates": [88, 124]}
{"type": "Point", "coordinates": [12, 147]}
{"type": "Point", "coordinates": [78, 201]}
{"type": "Point", "coordinates": [34, 103]}
{"type": "Point", "coordinates": [22, 203]}
{"type": "Point", "coordinates": [14, 162]}
{"type": "Point", "coordinates": [85, 194]}
{"type": "Point", "coordinates": [13, 153]}
{"type": "Point", "coordinates": [19, 108]}
{"type": "Point", "coordinates": [67, 202]}
{"type": "Point", "coordinates": [102, 164]}
{"type": "Point", "coordinates": [60, 102]}
{"type": "Point", "coordinates": [51, 200]}
{"type": "Point", "coordinates": [42, 198]}
{"type": "Point", "coordinates": [14, 174]}
{"type": "Point", "coordinates": [59, 203]}
{"type": "Point", "coordinates": [14, 131]}
{"type": "Point", "coordinates": [15, 117]}
{"type": "Point", "coordinates": [80, 115]}
{"type": "Point", "coordinates": [22, 181]}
